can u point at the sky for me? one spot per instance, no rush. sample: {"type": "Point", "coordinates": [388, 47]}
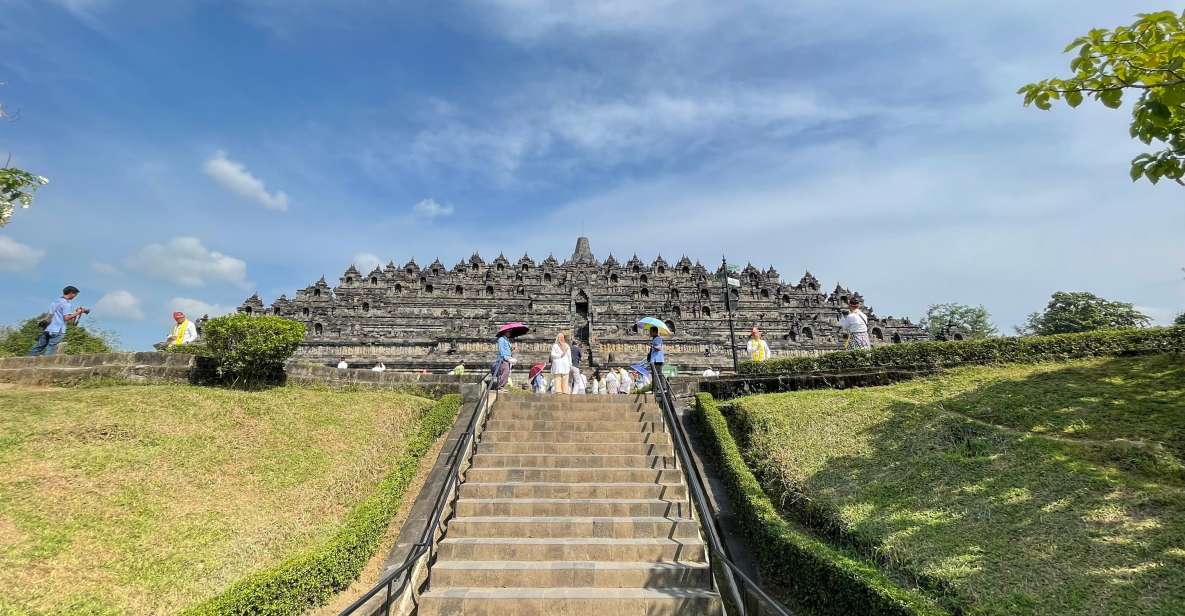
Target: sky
{"type": "Point", "coordinates": [199, 151]}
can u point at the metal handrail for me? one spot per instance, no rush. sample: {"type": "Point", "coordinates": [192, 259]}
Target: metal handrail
{"type": "Point", "coordinates": [746, 586]}
{"type": "Point", "coordinates": [427, 537]}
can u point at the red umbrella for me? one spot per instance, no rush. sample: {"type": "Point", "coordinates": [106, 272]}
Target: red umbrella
{"type": "Point", "coordinates": [535, 370]}
{"type": "Point", "coordinates": [513, 330]}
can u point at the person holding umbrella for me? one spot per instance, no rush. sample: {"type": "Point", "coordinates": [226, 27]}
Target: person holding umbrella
{"type": "Point", "coordinates": [500, 370]}
{"type": "Point", "coordinates": [656, 327]}
{"type": "Point", "coordinates": [535, 378]}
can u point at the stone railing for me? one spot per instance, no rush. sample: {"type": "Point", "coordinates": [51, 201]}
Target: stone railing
{"type": "Point", "coordinates": [72, 369]}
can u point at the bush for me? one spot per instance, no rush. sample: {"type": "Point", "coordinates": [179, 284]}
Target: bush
{"type": "Point", "coordinates": [310, 579]}
{"type": "Point", "coordinates": [249, 349]}
{"type": "Point", "coordinates": [78, 341]}
{"type": "Point", "coordinates": [813, 575]}
{"type": "Point", "coordinates": [986, 351]}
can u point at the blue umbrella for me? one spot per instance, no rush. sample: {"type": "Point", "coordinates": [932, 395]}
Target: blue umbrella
{"type": "Point", "coordinates": [641, 369]}
{"type": "Point", "coordinates": [645, 323]}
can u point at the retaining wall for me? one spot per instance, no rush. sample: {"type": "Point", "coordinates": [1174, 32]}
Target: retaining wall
{"type": "Point", "coordinates": [72, 369]}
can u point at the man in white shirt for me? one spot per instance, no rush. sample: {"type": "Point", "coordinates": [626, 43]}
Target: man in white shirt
{"type": "Point", "coordinates": [184, 333]}
{"type": "Point", "coordinates": [855, 324]}
{"type": "Point", "coordinates": [341, 364]}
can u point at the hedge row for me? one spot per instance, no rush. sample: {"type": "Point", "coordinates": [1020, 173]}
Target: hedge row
{"type": "Point", "coordinates": [983, 351]}
{"type": "Point", "coordinates": [814, 575]}
{"type": "Point", "coordinates": [310, 579]}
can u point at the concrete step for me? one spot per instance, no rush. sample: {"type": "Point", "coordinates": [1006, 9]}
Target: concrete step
{"type": "Point", "coordinates": [578, 449]}
{"type": "Point", "coordinates": [649, 549]}
{"type": "Point", "coordinates": [575, 415]}
{"type": "Point", "coordinates": [471, 489]}
{"type": "Point", "coordinates": [574, 475]}
{"type": "Point", "coordinates": [568, 573]}
{"type": "Point", "coordinates": [547, 526]}
{"type": "Point", "coordinates": [521, 460]}
{"type": "Point", "coordinates": [568, 601]}
{"type": "Point", "coordinates": [573, 436]}
{"type": "Point", "coordinates": [513, 425]}
{"type": "Point", "coordinates": [570, 402]}
{"type": "Point", "coordinates": [582, 507]}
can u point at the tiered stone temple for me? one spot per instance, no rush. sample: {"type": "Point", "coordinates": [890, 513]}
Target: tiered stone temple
{"type": "Point", "coordinates": [433, 317]}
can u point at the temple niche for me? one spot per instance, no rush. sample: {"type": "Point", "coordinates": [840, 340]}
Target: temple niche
{"type": "Point", "coordinates": [433, 318]}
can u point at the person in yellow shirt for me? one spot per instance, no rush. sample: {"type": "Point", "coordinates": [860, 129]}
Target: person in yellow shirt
{"type": "Point", "coordinates": [758, 349]}
{"type": "Point", "coordinates": [184, 333]}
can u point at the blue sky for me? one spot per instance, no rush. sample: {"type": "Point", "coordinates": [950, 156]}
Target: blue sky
{"type": "Point", "coordinates": [201, 150]}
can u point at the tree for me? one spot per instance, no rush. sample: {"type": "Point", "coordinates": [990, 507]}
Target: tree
{"type": "Point", "coordinates": [973, 321]}
{"type": "Point", "coordinates": [1148, 58]}
{"type": "Point", "coordinates": [16, 185]}
{"type": "Point", "coordinates": [78, 341]}
{"type": "Point", "coordinates": [1180, 320]}
{"type": "Point", "coordinates": [1070, 312]}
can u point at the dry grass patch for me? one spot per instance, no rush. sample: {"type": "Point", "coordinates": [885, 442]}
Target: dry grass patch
{"type": "Point", "coordinates": [147, 499]}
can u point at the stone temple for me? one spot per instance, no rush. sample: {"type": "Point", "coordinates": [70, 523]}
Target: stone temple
{"type": "Point", "coordinates": [434, 317]}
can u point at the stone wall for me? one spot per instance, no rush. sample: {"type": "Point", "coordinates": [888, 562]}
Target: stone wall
{"type": "Point", "coordinates": [73, 369]}
{"type": "Point", "coordinates": [433, 385]}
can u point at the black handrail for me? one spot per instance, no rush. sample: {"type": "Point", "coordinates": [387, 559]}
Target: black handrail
{"type": "Point", "coordinates": [746, 586]}
{"type": "Point", "coordinates": [427, 538]}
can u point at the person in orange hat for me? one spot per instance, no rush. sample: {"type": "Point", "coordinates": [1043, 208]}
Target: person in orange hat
{"type": "Point", "coordinates": [184, 333]}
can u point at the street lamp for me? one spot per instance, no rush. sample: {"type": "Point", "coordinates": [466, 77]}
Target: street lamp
{"type": "Point", "coordinates": [730, 282]}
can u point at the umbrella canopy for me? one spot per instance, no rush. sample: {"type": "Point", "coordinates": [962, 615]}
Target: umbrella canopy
{"type": "Point", "coordinates": [513, 330]}
{"type": "Point", "coordinates": [645, 323]}
{"type": "Point", "coordinates": [535, 370]}
{"type": "Point", "coordinates": [641, 369]}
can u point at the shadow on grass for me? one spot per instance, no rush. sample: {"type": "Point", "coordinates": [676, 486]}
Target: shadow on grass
{"type": "Point", "coordinates": [1003, 521]}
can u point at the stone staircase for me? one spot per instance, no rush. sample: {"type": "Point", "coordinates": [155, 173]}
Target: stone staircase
{"type": "Point", "coordinates": [573, 505]}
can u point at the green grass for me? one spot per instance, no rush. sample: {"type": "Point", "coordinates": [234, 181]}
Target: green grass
{"type": "Point", "coordinates": [148, 499]}
{"type": "Point", "coordinates": [1020, 489]}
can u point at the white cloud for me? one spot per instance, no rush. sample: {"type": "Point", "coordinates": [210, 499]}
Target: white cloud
{"type": "Point", "coordinates": [196, 308]}
{"type": "Point", "coordinates": [185, 261]}
{"type": "Point", "coordinates": [18, 257]}
{"type": "Point", "coordinates": [366, 262]}
{"type": "Point", "coordinates": [235, 177]}
{"type": "Point", "coordinates": [105, 269]}
{"type": "Point", "coordinates": [430, 208]}
{"type": "Point", "coordinates": [120, 306]}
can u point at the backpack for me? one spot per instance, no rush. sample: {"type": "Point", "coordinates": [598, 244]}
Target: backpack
{"type": "Point", "coordinates": [44, 320]}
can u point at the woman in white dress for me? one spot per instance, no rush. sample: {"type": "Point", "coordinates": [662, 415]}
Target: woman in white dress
{"type": "Point", "coordinates": [856, 326]}
{"type": "Point", "coordinates": [611, 383]}
{"type": "Point", "coordinates": [561, 364]}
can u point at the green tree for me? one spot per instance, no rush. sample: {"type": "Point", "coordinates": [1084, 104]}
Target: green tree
{"type": "Point", "coordinates": [1180, 320]}
{"type": "Point", "coordinates": [973, 321]}
{"type": "Point", "coordinates": [1070, 312]}
{"type": "Point", "coordinates": [79, 340]}
{"type": "Point", "coordinates": [1146, 58]}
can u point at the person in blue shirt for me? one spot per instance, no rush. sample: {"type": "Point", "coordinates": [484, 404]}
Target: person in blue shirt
{"type": "Point", "coordinates": [60, 312]}
{"type": "Point", "coordinates": [502, 363]}
{"type": "Point", "coordinates": [655, 356]}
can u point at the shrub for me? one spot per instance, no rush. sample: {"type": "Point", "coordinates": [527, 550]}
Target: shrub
{"type": "Point", "coordinates": [310, 579]}
{"type": "Point", "coordinates": [815, 576]}
{"type": "Point", "coordinates": [249, 349]}
{"type": "Point", "coordinates": [985, 351]}
{"type": "Point", "coordinates": [78, 341]}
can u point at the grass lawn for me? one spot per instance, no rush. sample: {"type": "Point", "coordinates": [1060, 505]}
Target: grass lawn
{"type": "Point", "coordinates": [1025, 489]}
{"type": "Point", "coordinates": [148, 499]}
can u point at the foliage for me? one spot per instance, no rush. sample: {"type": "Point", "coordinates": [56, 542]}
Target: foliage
{"type": "Point", "coordinates": [986, 351]}
{"type": "Point", "coordinates": [249, 349]}
{"type": "Point", "coordinates": [973, 321]}
{"type": "Point", "coordinates": [16, 188]}
{"type": "Point", "coordinates": [805, 571]}
{"type": "Point", "coordinates": [1180, 320]}
{"type": "Point", "coordinates": [1070, 312]}
{"type": "Point", "coordinates": [78, 341]}
{"type": "Point", "coordinates": [1025, 489]}
{"type": "Point", "coordinates": [311, 579]}
{"type": "Point", "coordinates": [1147, 57]}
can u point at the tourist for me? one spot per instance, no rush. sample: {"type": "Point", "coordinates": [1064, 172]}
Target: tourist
{"type": "Point", "coordinates": [855, 324]}
{"type": "Point", "coordinates": [341, 363]}
{"type": "Point", "coordinates": [54, 324]}
{"type": "Point", "coordinates": [535, 378]}
{"type": "Point", "coordinates": [184, 332]}
{"type": "Point", "coordinates": [655, 356]}
{"type": "Point", "coordinates": [709, 372]}
{"type": "Point", "coordinates": [577, 355]}
{"type": "Point", "coordinates": [596, 384]}
{"type": "Point", "coordinates": [625, 383]}
{"type": "Point", "coordinates": [502, 363]}
{"type": "Point", "coordinates": [379, 367]}
{"type": "Point", "coordinates": [580, 387]}
{"type": "Point", "coordinates": [458, 370]}
{"type": "Point", "coordinates": [561, 364]}
{"type": "Point", "coordinates": [612, 384]}
{"type": "Point", "coordinates": [758, 349]}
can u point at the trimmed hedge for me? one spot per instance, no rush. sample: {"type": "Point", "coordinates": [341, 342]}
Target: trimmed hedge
{"type": "Point", "coordinates": [983, 351]}
{"type": "Point", "coordinates": [813, 574]}
{"type": "Point", "coordinates": [310, 579]}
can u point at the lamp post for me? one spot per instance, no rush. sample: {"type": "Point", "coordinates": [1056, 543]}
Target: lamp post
{"type": "Point", "coordinates": [730, 282]}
